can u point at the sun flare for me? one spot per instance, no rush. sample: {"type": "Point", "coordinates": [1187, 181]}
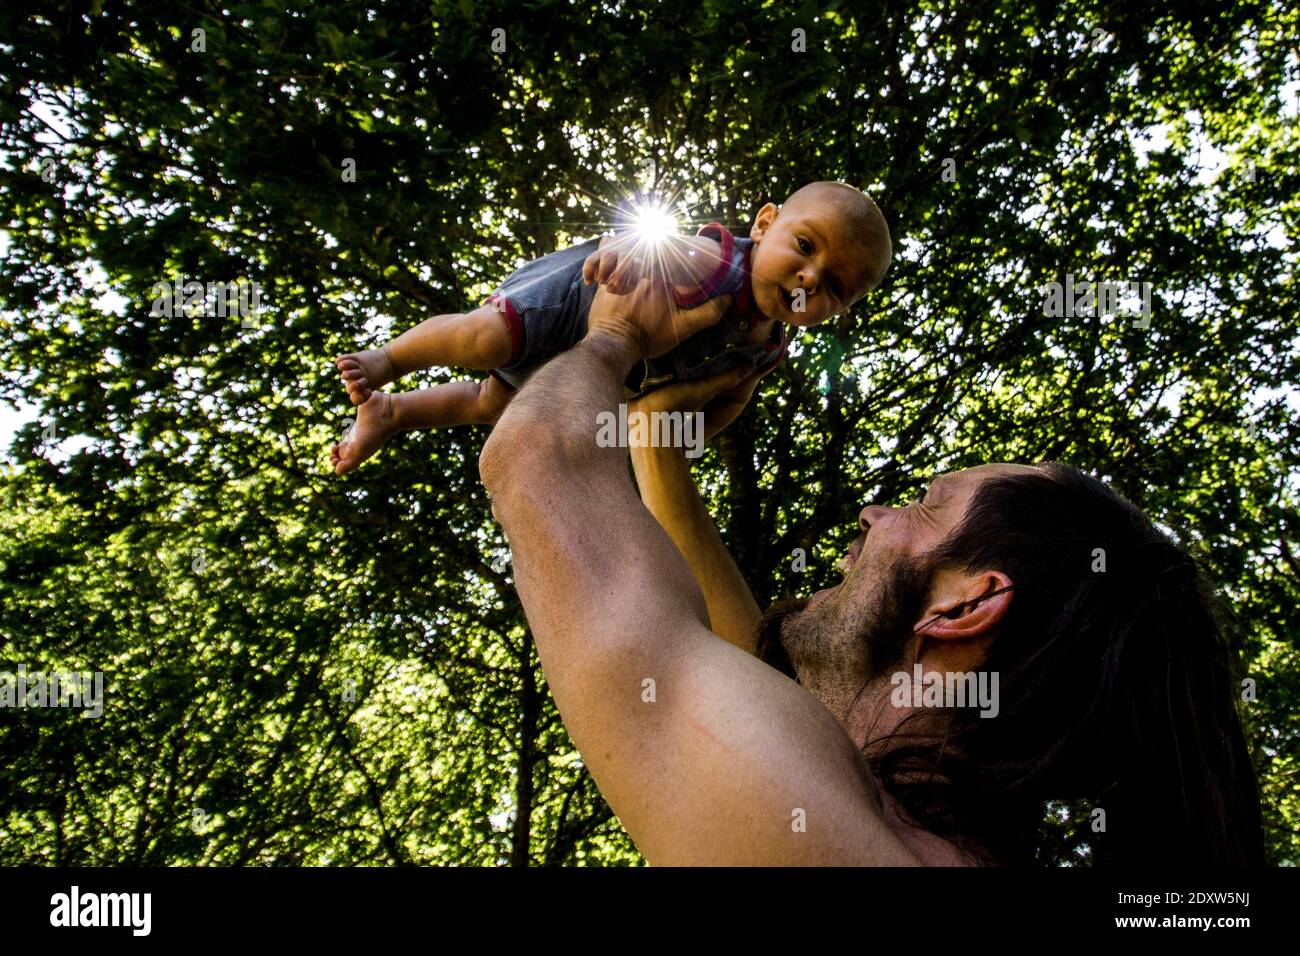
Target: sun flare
{"type": "Point", "coordinates": [653, 223]}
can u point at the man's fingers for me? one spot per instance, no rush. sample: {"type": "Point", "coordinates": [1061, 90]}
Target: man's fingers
{"type": "Point", "coordinates": [601, 264]}
{"type": "Point", "coordinates": [650, 319]}
{"type": "Point", "coordinates": [690, 321]}
{"type": "Point", "coordinates": [742, 387]}
{"type": "Point", "coordinates": [608, 266]}
{"type": "Point", "coordinates": [726, 381]}
{"type": "Point", "coordinates": [626, 278]}
{"type": "Point", "coordinates": [620, 280]}
{"type": "Point", "coordinates": [762, 373]}
{"type": "Point", "coordinates": [694, 394]}
{"type": "Point", "coordinates": [699, 391]}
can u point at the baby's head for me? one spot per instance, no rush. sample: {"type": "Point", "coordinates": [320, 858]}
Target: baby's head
{"type": "Point", "coordinates": [828, 239]}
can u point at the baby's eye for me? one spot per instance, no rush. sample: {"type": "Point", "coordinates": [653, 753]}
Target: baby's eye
{"type": "Point", "coordinates": [804, 246]}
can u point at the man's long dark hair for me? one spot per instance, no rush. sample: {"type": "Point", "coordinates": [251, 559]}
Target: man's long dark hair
{"type": "Point", "coordinates": [1117, 691]}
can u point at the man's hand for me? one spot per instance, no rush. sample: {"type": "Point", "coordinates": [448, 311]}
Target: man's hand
{"type": "Point", "coordinates": [721, 398]}
{"type": "Point", "coordinates": [620, 263]}
{"type": "Point", "coordinates": [623, 261]}
{"type": "Point", "coordinates": [648, 321]}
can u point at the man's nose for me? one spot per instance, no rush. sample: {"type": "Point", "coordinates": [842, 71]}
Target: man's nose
{"type": "Point", "coordinates": [870, 515]}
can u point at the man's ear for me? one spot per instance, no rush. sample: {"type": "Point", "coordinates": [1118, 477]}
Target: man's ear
{"type": "Point", "coordinates": [763, 221]}
{"type": "Point", "coordinates": [964, 606]}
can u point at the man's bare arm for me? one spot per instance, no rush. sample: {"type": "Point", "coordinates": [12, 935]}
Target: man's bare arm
{"type": "Point", "coordinates": [706, 754]}
{"type": "Point", "coordinates": [663, 476]}
{"type": "Point", "coordinates": [668, 490]}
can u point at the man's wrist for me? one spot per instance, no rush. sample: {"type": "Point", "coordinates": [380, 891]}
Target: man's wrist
{"type": "Point", "coordinates": [617, 351]}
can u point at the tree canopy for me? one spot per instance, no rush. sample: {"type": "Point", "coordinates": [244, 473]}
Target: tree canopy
{"type": "Point", "coordinates": [307, 669]}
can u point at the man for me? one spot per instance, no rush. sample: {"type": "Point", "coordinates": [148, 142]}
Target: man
{"type": "Point", "coordinates": [1114, 684]}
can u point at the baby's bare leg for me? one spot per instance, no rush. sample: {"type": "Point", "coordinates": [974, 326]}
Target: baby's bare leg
{"type": "Point", "coordinates": [479, 340]}
{"type": "Point", "coordinates": [455, 403]}
{"type": "Point", "coordinates": [383, 415]}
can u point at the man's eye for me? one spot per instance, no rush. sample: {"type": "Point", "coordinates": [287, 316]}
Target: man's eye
{"type": "Point", "coordinates": [804, 246]}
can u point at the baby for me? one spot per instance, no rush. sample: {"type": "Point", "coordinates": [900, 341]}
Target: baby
{"type": "Point", "coordinates": [806, 261]}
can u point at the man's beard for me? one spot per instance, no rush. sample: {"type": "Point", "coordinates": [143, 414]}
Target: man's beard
{"type": "Point", "coordinates": [882, 621]}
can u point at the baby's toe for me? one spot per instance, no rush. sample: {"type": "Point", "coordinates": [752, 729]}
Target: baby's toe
{"type": "Point", "coordinates": [340, 461]}
{"type": "Point", "coordinates": [348, 365]}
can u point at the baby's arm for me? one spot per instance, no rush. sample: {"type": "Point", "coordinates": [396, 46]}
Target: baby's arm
{"type": "Point", "coordinates": [623, 261]}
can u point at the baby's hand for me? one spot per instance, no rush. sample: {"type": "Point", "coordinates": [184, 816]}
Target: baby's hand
{"type": "Point", "coordinates": [622, 262]}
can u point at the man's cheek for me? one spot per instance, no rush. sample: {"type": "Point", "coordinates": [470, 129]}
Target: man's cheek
{"type": "Point", "coordinates": [895, 530]}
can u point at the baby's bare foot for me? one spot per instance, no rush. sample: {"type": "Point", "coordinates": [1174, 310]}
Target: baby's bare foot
{"type": "Point", "coordinates": [376, 423]}
{"type": "Point", "coordinates": [364, 372]}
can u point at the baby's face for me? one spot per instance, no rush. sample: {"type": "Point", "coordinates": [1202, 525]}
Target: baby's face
{"type": "Point", "coordinates": [805, 248]}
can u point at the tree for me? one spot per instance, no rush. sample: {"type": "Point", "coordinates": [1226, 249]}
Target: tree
{"type": "Point", "coordinates": [304, 669]}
